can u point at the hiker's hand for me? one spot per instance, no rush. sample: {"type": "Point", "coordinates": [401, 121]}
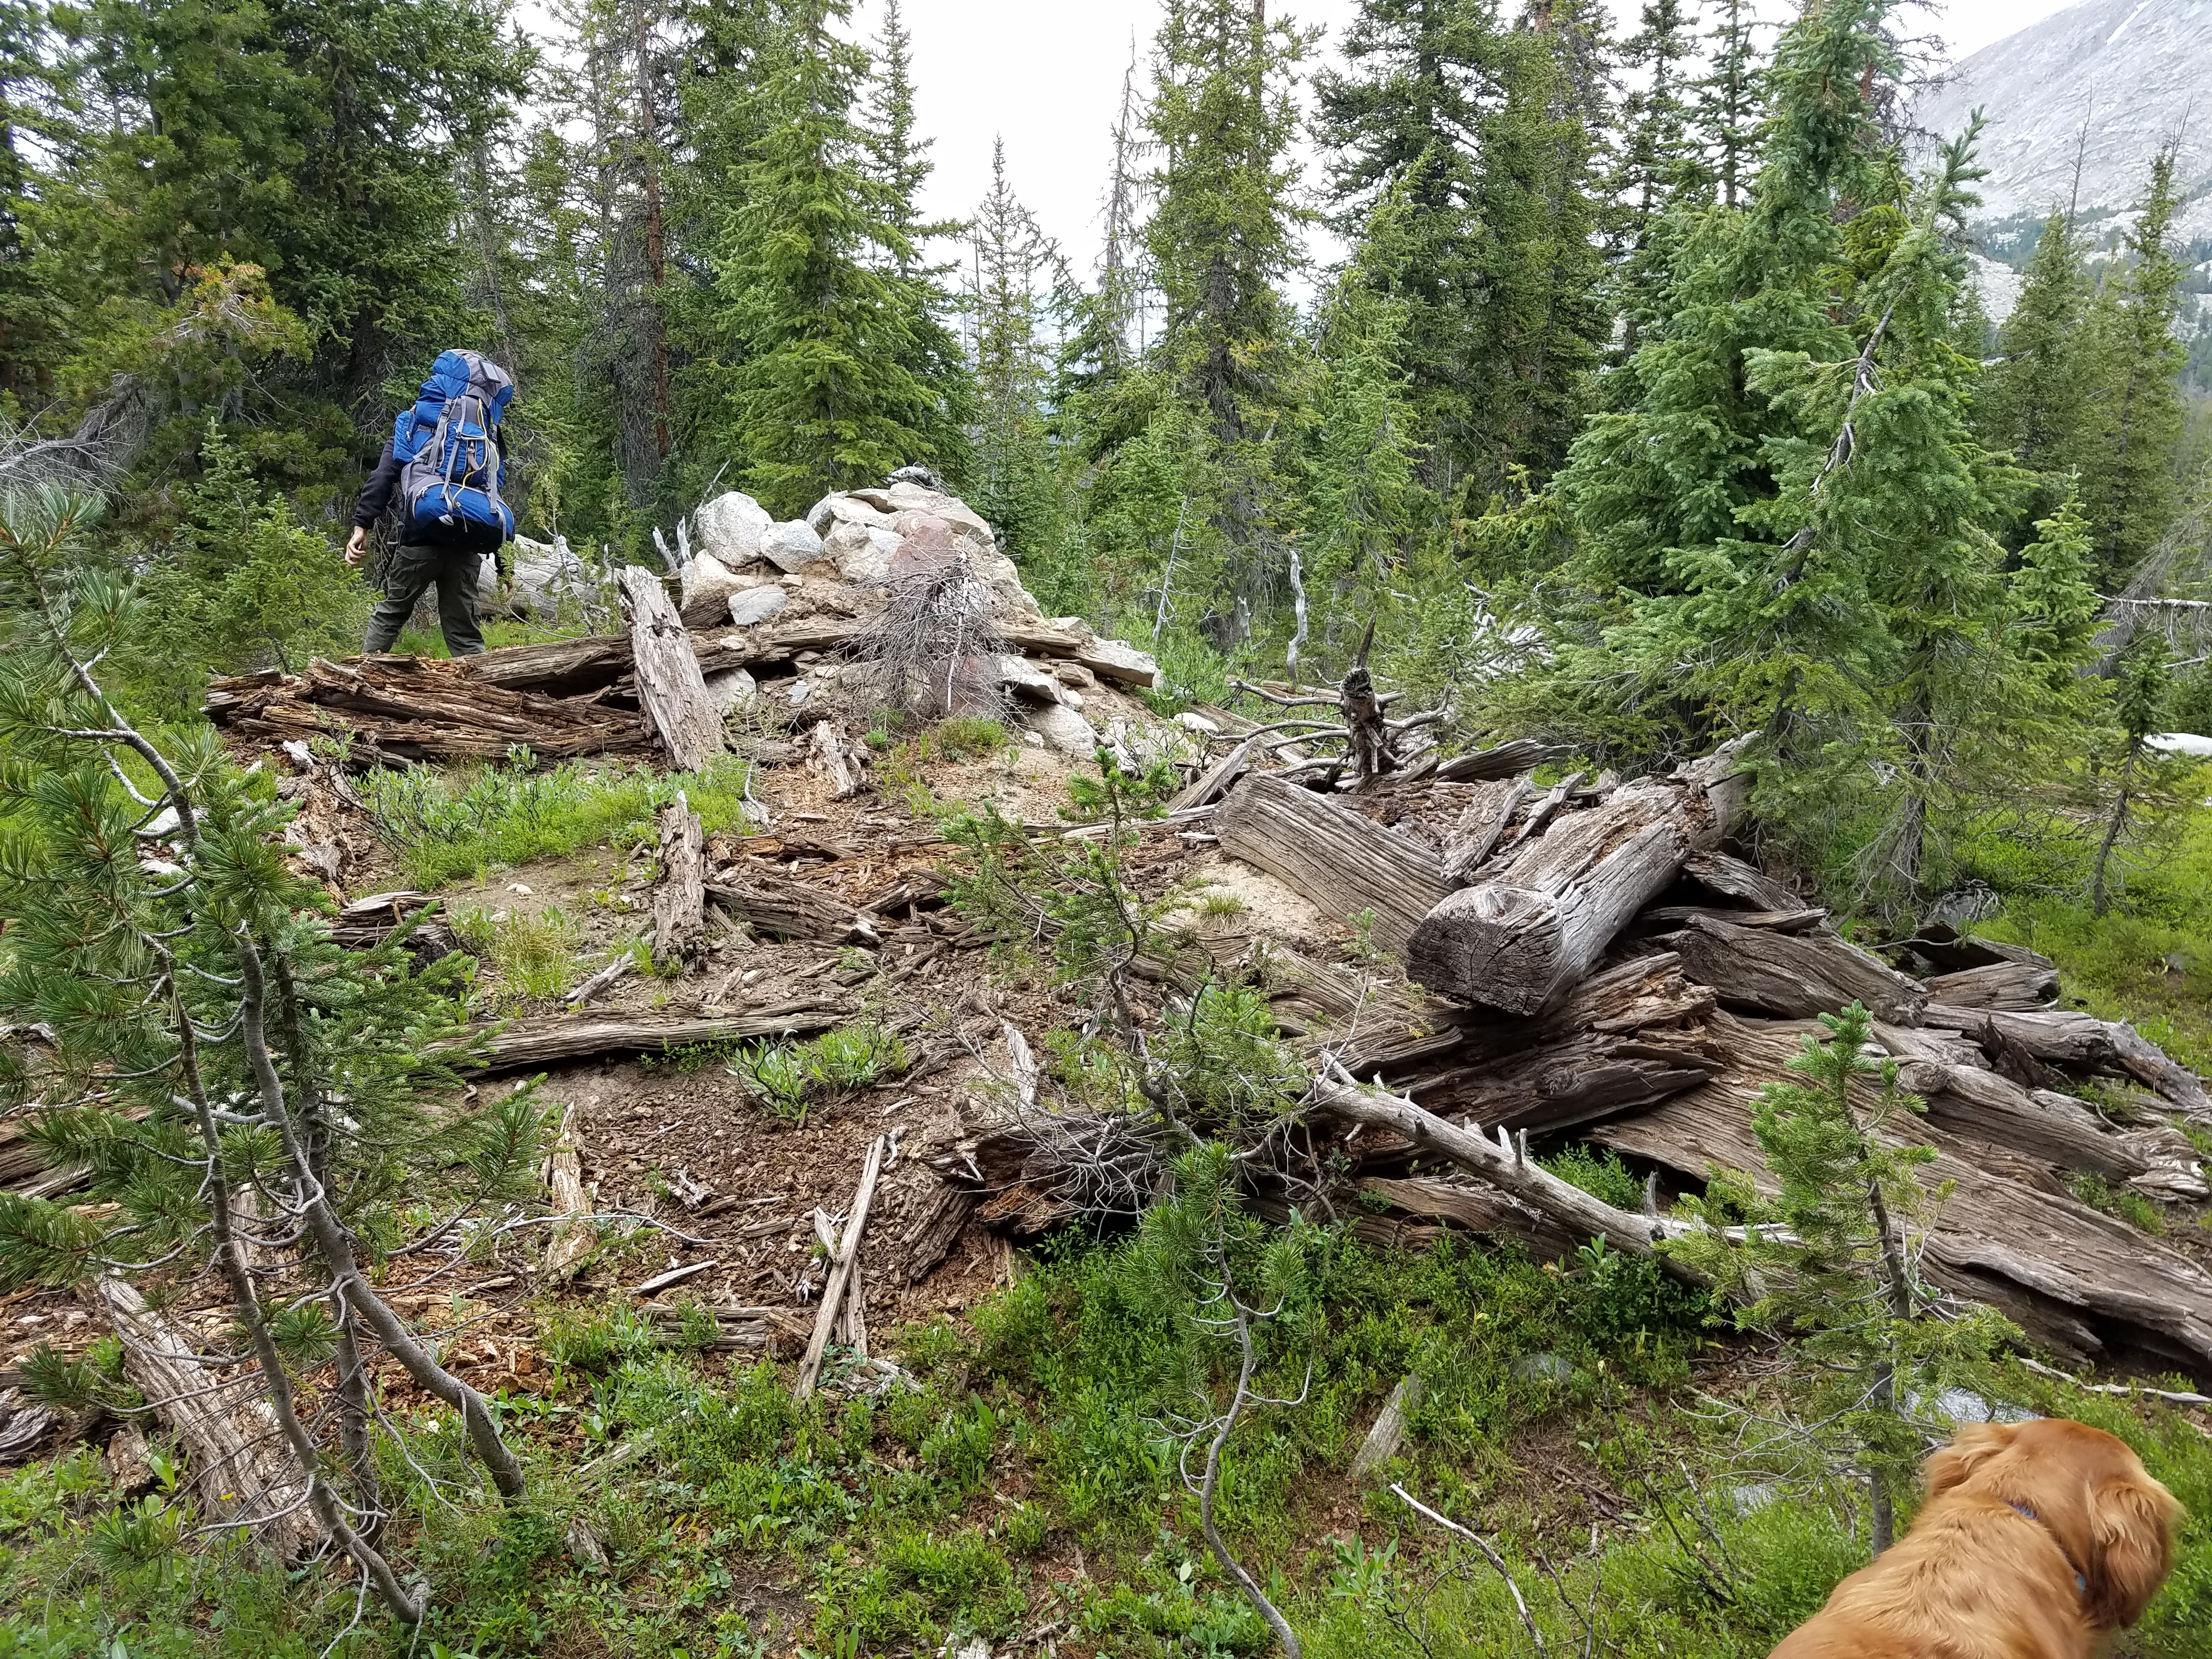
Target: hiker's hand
{"type": "Point", "coordinates": [356, 546]}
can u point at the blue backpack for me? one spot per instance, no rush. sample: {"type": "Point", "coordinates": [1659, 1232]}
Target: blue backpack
{"type": "Point", "coordinates": [451, 468]}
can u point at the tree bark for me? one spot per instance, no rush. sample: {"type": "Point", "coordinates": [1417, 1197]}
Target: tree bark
{"type": "Point", "coordinates": [1344, 863]}
{"type": "Point", "coordinates": [677, 705]}
{"type": "Point", "coordinates": [1793, 975]}
{"type": "Point", "coordinates": [1521, 938]}
{"type": "Point", "coordinates": [679, 895]}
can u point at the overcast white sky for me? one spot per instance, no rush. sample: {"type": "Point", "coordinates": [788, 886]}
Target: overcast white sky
{"type": "Point", "coordinates": [1046, 74]}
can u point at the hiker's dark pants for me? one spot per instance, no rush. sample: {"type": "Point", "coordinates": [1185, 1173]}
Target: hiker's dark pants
{"type": "Point", "coordinates": [414, 565]}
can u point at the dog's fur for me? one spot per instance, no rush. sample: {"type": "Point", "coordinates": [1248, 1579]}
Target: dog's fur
{"type": "Point", "coordinates": [1975, 1578]}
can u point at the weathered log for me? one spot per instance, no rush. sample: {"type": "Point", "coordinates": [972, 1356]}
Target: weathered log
{"type": "Point", "coordinates": [1579, 1079]}
{"type": "Point", "coordinates": [402, 708]}
{"type": "Point", "coordinates": [2016, 986]}
{"type": "Point", "coordinates": [842, 1269]}
{"type": "Point", "coordinates": [680, 892]}
{"type": "Point", "coordinates": [560, 668]}
{"type": "Point", "coordinates": [1661, 916]}
{"type": "Point", "coordinates": [2028, 1045]}
{"type": "Point", "coordinates": [525, 1044]}
{"type": "Point", "coordinates": [829, 758]}
{"type": "Point", "coordinates": [1342, 862]}
{"type": "Point", "coordinates": [1953, 951]}
{"type": "Point", "coordinates": [788, 909]}
{"type": "Point", "coordinates": [1794, 976]}
{"type": "Point", "coordinates": [1216, 781]}
{"type": "Point", "coordinates": [243, 1474]}
{"type": "Point", "coordinates": [670, 685]}
{"type": "Point", "coordinates": [2117, 1283]}
{"type": "Point", "coordinates": [1503, 1165]}
{"type": "Point", "coordinates": [1521, 937]}
{"type": "Point", "coordinates": [1968, 1100]}
{"type": "Point", "coordinates": [1481, 1208]}
{"type": "Point", "coordinates": [934, 1232]}
{"type": "Point", "coordinates": [1480, 824]}
{"type": "Point", "coordinates": [1388, 1432]}
{"type": "Point", "coordinates": [572, 1240]}
{"type": "Point", "coordinates": [1507, 760]}
{"type": "Point", "coordinates": [1731, 878]}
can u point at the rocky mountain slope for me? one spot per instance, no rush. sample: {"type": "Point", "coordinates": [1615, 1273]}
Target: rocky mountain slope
{"type": "Point", "coordinates": [2103, 84]}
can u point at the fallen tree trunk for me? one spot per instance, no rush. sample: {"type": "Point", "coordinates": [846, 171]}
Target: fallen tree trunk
{"type": "Point", "coordinates": [408, 708]}
{"type": "Point", "coordinates": [526, 1044]}
{"type": "Point", "coordinates": [1342, 862]}
{"type": "Point", "coordinates": [1520, 940]}
{"type": "Point", "coordinates": [1501, 1164]}
{"type": "Point", "coordinates": [789, 909]}
{"type": "Point", "coordinates": [670, 685]}
{"type": "Point", "coordinates": [1794, 976]}
{"type": "Point", "coordinates": [842, 1270]}
{"type": "Point", "coordinates": [2016, 986]}
{"type": "Point", "coordinates": [679, 893]}
{"type": "Point", "coordinates": [243, 1474]}
{"type": "Point", "coordinates": [2110, 1281]}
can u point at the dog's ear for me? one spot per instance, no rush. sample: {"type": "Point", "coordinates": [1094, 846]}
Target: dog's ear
{"type": "Point", "coordinates": [2132, 1527]}
{"type": "Point", "coordinates": [1972, 1446]}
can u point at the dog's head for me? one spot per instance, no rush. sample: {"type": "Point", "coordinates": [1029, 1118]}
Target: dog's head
{"type": "Point", "coordinates": [2113, 1520]}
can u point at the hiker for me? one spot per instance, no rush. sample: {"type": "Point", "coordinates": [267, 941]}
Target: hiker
{"type": "Point", "coordinates": [447, 464]}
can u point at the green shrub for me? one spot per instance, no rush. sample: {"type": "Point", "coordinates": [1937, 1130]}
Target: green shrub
{"type": "Point", "coordinates": [791, 1078]}
{"type": "Point", "coordinates": [924, 1588]}
{"type": "Point", "coordinates": [595, 1339]}
{"type": "Point", "coordinates": [534, 955]}
{"type": "Point", "coordinates": [444, 825]}
{"type": "Point", "coordinates": [1599, 1172]}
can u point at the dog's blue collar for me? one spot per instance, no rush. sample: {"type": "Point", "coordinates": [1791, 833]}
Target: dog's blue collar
{"type": "Point", "coordinates": [2081, 1582]}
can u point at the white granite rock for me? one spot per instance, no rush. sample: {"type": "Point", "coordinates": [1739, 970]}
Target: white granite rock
{"type": "Point", "coordinates": [1063, 729]}
{"type": "Point", "coordinates": [730, 528]}
{"type": "Point", "coordinates": [756, 604]}
{"type": "Point", "coordinates": [845, 509]}
{"type": "Point", "coordinates": [707, 581]}
{"type": "Point", "coordinates": [731, 689]}
{"type": "Point", "coordinates": [791, 546]}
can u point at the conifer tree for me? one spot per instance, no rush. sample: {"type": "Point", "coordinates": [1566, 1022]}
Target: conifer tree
{"type": "Point", "coordinates": [1014, 266]}
{"type": "Point", "coordinates": [1544, 319]}
{"type": "Point", "coordinates": [2032, 401]}
{"type": "Point", "coordinates": [2134, 422]}
{"type": "Point", "coordinates": [1361, 483]}
{"type": "Point", "coordinates": [1405, 119]}
{"type": "Point", "coordinates": [836, 379]}
{"type": "Point", "coordinates": [1657, 165]}
{"type": "Point", "coordinates": [1223, 234]}
{"type": "Point", "coordinates": [1831, 1262]}
{"type": "Point", "coordinates": [1729, 104]}
{"type": "Point", "coordinates": [202, 1041]}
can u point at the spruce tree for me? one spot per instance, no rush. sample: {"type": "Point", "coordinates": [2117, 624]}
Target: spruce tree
{"type": "Point", "coordinates": [2132, 428]}
{"type": "Point", "coordinates": [1223, 232]}
{"type": "Point", "coordinates": [1657, 165]}
{"type": "Point", "coordinates": [246, 1097]}
{"type": "Point", "coordinates": [1727, 106]}
{"type": "Point", "coordinates": [1830, 1261]}
{"type": "Point", "coordinates": [2032, 401]}
{"type": "Point", "coordinates": [1544, 320]}
{"type": "Point", "coordinates": [836, 379]}
{"type": "Point", "coordinates": [1404, 120]}
{"type": "Point", "coordinates": [1014, 266]}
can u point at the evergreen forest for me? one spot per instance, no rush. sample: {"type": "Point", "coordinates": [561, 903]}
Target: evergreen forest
{"type": "Point", "coordinates": [1622, 393]}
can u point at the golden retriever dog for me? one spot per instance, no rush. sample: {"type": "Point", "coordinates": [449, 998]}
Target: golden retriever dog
{"type": "Point", "coordinates": [2038, 1540]}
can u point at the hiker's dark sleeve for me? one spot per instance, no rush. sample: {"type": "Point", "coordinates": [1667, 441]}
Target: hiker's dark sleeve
{"type": "Point", "coordinates": [376, 495]}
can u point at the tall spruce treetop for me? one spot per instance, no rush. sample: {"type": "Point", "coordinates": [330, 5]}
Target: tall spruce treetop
{"type": "Point", "coordinates": [2032, 403]}
{"type": "Point", "coordinates": [837, 380]}
{"type": "Point", "coordinates": [1729, 104]}
{"type": "Point", "coordinates": [901, 154]}
{"type": "Point", "coordinates": [1223, 234]}
{"type": "Point", "coordinates": [1015, 268]}
{"type": "Point", "coordinates": [2128, 482]}
{"type": "Point", "coordinates": [1661, 485]}
{"type": "Point", "coordinates": [1657, 163]}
